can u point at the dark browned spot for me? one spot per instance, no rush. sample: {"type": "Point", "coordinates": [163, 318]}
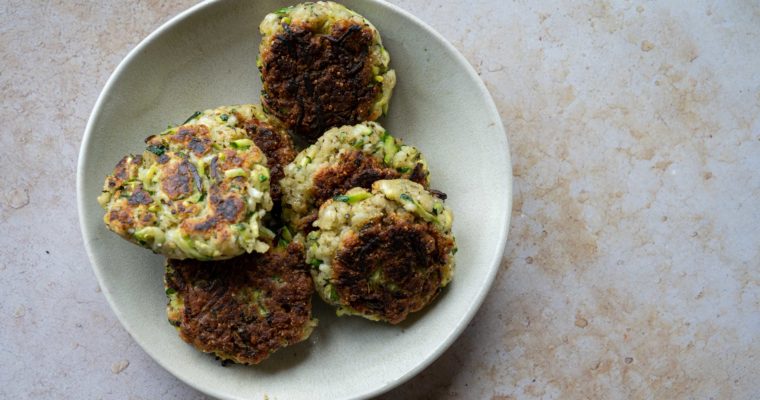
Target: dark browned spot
{"type": "Point", "coordinates": [228, 208]}
{"type": "Point", "coordinates": [439, 194]}
{"type": "Point", "coordinates": [125, 169]}
{"type": "Point", "coordinates": [314, 81]}
{"type": "Point", "coordinates": [121, 217]}
{"type": "Point", "coordinates": [304, 224]}
{"type": "Point", "coordinates": [245, 307]}
{"type": "Point", "coordinates": [148, 218]}
{"type": "Point", "coordinates": [139, 196]}
{"type": "Point", "coordinates": [277, 147]}
{"type": "Point", "coordinates": [232, 160]}
{"type": "Point", "coordinates": [199, 146]}
{"type": "Point", "coordinates": [419, 175]}
{"type": "Point", "coordinates": [391, 268]}
{"type": "Point", "coordinates": [194, 137]}
{"type": "Point", "coordinates": [177, 180]}
{"type": "Point", "coordinates": [205, 225]}
{"type": "Point", "coordinates": [353, 169]}
{"type": "Point", "coordinates": [120, 172]}
{"type": "Point", "coordinates": [214, 170]}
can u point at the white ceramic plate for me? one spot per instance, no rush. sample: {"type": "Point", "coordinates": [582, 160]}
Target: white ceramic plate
{"type": "Point", "coordinates": [205, 57]}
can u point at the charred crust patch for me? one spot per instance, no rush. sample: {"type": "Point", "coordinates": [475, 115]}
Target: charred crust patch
{"type": "Point", "coordinates": [419, 175]}
{"type": "Point", "coordinates": [139, 196]}
{"type": "Point", "coordinates": [122, 216]}
{"type": "Point", "coordinates": [277, 147]}
{"type": "Point", "coordinates": [228, 208]}
{"type": "Point", "coordinates": [233, 159]}
{"type": "Point", "coordinates": [439, 194]}
{"type": "Point", "coordinates": [178, 179]}
{"type": "Point", "coordinates": [121, 171]}
{"type": "Point", "coordinates": [196, 138]}
{"type": "Point", "coordinates": [246, 307]}
{"type": "Point", "coordinates": [391, 268]}
{"type": "Point", "coordinates": [125, 169]}
{"type": "Point", "coordinates": [316, 81]}
{"type": "Point", "coordinates": [214, 170]}
{"type": "Point", "coordinates": [353, 169]}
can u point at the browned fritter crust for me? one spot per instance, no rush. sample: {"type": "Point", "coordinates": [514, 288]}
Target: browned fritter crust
{"type": "Point", "coordinates": [271, 138]}
{"type": "Point", "coordinates": [313, 81]}
{"type": "Point", "coordinates": [353, 169]}
{"type": "Point", "coordinates": [245, 308]}
{"type": "Point", "coordinates": [391, 268]}
{"type": "Point", "coordinates": [278, 147]}
{"type": "Point", "coordinates": [126, 167]}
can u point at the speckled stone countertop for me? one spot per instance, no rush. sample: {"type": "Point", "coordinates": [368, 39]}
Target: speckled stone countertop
{"type": "Point", "coordinates": [632, 268]}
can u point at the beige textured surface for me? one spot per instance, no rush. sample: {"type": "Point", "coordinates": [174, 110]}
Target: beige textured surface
{"type": "Point", "coordinates": [632, 264]}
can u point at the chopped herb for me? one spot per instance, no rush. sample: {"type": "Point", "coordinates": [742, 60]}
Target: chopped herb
{"type": "Point", "coordinates": [389, 145]}
{"type": "Point", "coordinates": [425, 214]}
{"type": "Point", "coordinates": [437, 208]}
{"type": "Point", "coordinates": [282, 11]}
{"type": "Point", "coordinates": [192, 117]}
{"type": "Point", "coordinates": [314, 262]}
{"type": "Point", "coordinates": [403, 170]}
{"type": "Point", "coordinates": [333, 294]}
{"type": "Point", "coordinates": [263, 178]}
{"type": "Point", "coordinates": [352, 198]}
{"type": "Point", "coordinates": [170, 291]}
{"type": "Point", "coordinates": [157, 149]}
{"type": "Point", "coordinates": [224, 117]}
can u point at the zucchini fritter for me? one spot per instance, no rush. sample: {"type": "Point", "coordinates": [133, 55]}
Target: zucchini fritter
{"type": "Point", "coordinates": [384, 254]}
{"type": "Point", "coordinates": [344, 158]}
{"type": "Point", "coordinates": [242, 309]}
{"type": "Point", "coordinates": [200, 189]}
{"type": "Point", "coordinates": [323, 65]}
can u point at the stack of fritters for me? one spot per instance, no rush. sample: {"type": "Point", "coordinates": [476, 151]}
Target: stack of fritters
{"type": "Point", "coordinates": [203, 191]}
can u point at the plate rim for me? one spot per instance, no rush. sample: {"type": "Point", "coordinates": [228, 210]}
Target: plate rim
{"type": "Point", "coordinates": [470, 312]}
